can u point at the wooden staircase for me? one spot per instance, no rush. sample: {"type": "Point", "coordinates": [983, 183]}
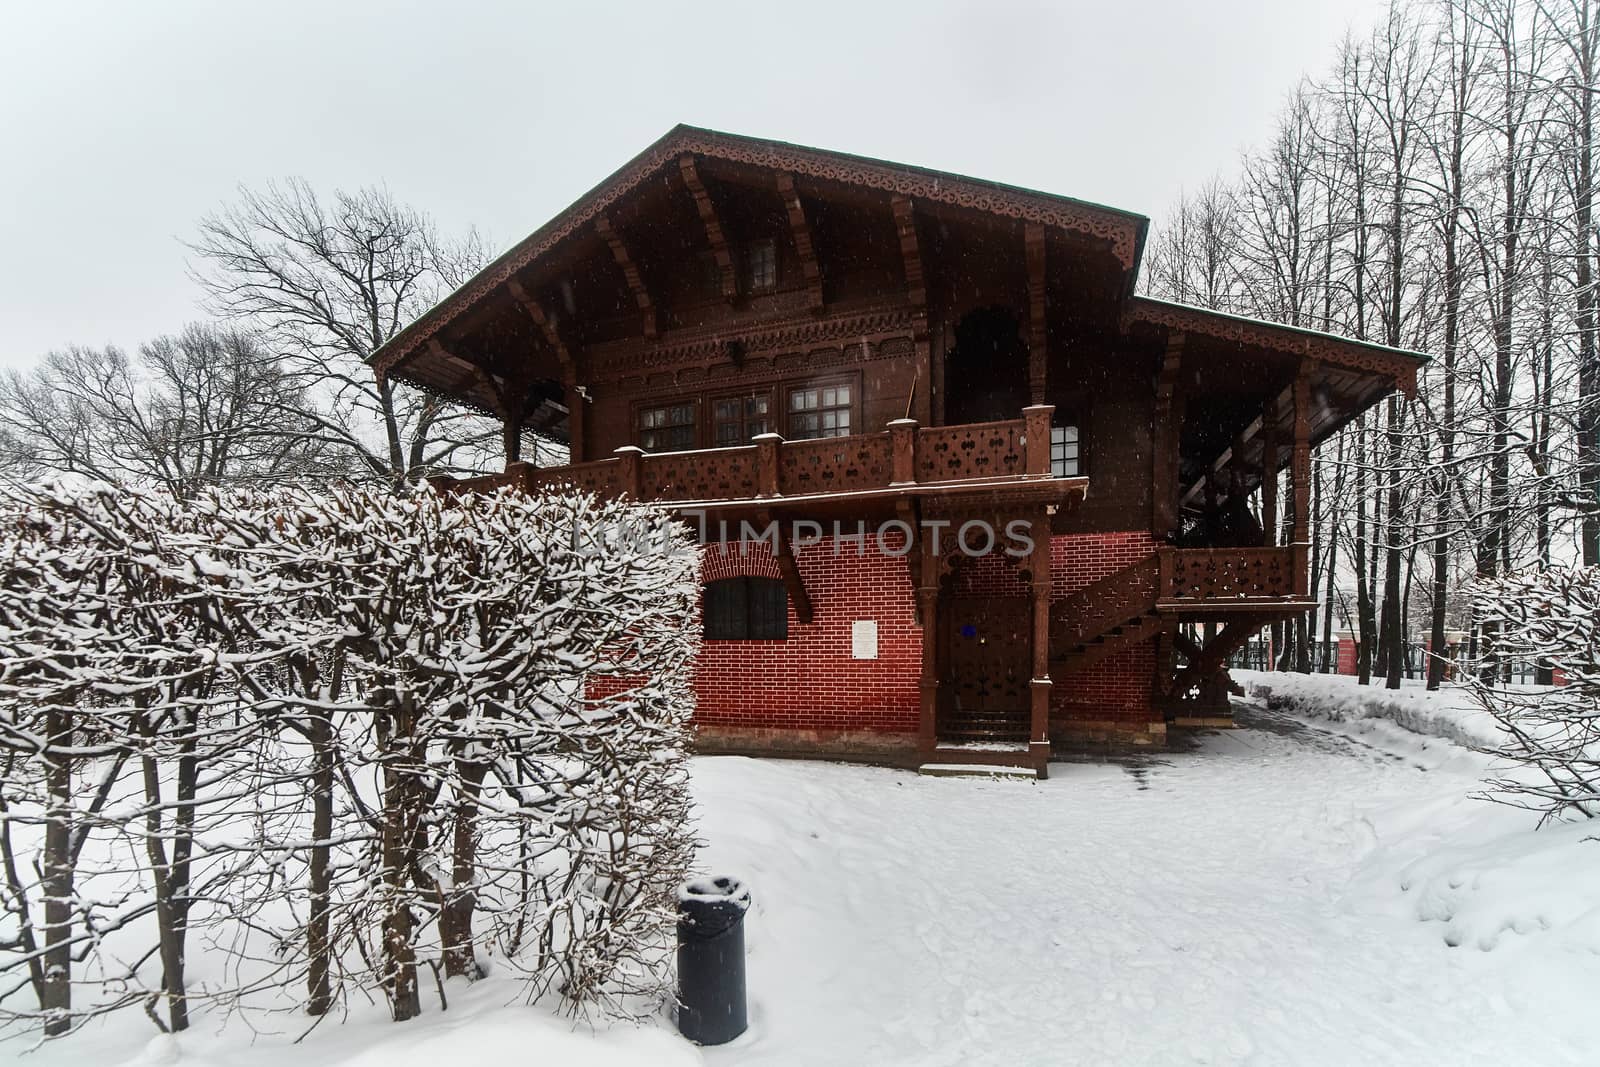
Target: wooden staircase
{"type": "Point", "coordinates": [1114, 613]}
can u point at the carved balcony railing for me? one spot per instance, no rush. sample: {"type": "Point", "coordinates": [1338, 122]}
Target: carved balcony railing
{"type": "Point", "coordinates": [1220, 575]}
{"type": "Point", "coordinates": [1181, 581]}
{"type": "Point", "coordinates": [977, 450]}
{"type": "Point", "coordinates": [900, 458]}
{"type": "Point", "coordinates": [836, 464]}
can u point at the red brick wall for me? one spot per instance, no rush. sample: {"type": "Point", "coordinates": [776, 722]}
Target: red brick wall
{"type": "Point", "coordinates": [1119, 687]}
{"type": "Point", "coordinates": [811, 682]}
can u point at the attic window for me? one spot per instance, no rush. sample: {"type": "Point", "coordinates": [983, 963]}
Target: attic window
{"type": "Point", "coordinates": [760, 266]}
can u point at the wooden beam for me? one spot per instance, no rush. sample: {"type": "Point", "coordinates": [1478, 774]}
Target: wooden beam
{"type": "Point", "coordinates": [1249, 434]}
{"type": "Point", "coordinates": [546, 325]}
{"type": "Point", "coordinates": [715, 235]}
{"type": "Point", "coordinates": [1038, 359]}
{"type": "Point", "coordinates": [509, 400]}
{"type": "Point", "coordinates": [804, 241]}
{"type": "Point", "coordinates": [905, 223]}
{"type": "Point", "coordinates": [630, 271]}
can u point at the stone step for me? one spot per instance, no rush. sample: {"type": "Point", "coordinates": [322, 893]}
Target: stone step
{"type": "Point", "coordinates": [976, 770]}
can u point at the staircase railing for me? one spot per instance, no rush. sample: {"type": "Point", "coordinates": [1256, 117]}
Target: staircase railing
{"type": "Point", "coordinates": [1104, 604]}
{"type": "Point", "coordinates": [1175, 576]}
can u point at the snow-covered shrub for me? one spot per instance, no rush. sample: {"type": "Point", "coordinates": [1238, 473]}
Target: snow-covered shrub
{"type": "Point", "coordinates": [374, 730]}
{"type": "Point", "coordinates": [1552, 616]}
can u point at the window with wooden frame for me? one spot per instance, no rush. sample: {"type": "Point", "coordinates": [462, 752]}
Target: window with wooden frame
{"type": "Point", "coordinates": [746, 609]}
{"type": "Point", "coordinates": [1065, 458]}
{"type": "Point", "coordinates": [669, 428]}
{"type": "Point", "coordinates": [736, 419]}
{"type": "Point", "coordinates": [760, 266]}
{"type": "Point", "coordinates": [821, 409]}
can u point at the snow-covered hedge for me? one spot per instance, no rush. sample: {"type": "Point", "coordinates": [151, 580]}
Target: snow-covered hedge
{"type": "Point", "coordinates": [1450, 713]}
{"type": "Point", "coordinates": [270, 741]}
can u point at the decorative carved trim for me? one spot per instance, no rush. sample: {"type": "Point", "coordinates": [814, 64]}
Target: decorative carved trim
{"type": "Point", "coordinates": [706, 345]}
{"type": "Point", "coordinates": [804, 245]}
{"type": "Point", "coordinates": [905, 224]}
{"type": "Point", "coordinates": [713, 226]}
{"type": "Point", "coordinates": [630, 271]}
{"type": "Point", "coordinates": [1342, 352]}
{"type": "Point", "coordinates": [1120, 231]}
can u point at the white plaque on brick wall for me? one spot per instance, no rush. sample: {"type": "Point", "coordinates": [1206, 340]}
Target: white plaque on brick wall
{"type": "Point", "coordinates": [864, 639]}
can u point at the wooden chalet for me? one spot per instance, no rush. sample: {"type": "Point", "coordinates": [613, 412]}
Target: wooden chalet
{"type": "Point", "coordinates": [753, 331]}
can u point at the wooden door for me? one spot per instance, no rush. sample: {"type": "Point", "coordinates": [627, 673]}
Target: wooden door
{"type": "Point", "coordinates": [987, 652]}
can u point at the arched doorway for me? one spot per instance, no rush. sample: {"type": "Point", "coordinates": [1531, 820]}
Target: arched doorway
{"type": "Point", "coordinates": [986, 370]}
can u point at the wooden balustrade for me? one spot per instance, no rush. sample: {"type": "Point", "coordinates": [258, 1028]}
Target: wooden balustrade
{"type": "Point", "coordinates": [974, 450]}
{"type": "Point", "coordinates": [1222, 574]}
{"type": "Point", "coordinates": [770, 467]}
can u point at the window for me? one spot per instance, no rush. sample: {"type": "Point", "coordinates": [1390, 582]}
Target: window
{"type": "Point", "coordinates": [819, 411]}
{"type": "Point", "coordinates": [667, 429]}
{"type": "Point", "coordinates": [746, 609]}
{"type": "Point", "coordinates": [736, 419]}
{"type": "Point", "coordinates": [1064, 451]}
{"type": "Point", "coordinates": [760, 266]}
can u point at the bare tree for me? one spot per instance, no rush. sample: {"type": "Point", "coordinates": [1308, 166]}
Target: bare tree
{"type": "Point", "coordinates": [330, 282]}
{"type": "Point", "coordinates": [203, 407]}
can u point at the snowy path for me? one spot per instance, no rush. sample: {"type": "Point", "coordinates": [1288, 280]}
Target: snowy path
{"type": "Point", "coordinates": [1236, 903]}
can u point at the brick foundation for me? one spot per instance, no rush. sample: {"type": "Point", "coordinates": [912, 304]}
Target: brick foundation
{"type": "Point", "coordinates": [809, 696]}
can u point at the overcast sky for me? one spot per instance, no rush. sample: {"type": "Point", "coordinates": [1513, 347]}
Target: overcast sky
{"type": "Point", "coordinates": [123, 122]}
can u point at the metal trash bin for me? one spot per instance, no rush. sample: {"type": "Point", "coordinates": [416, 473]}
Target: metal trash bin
{"type": "Point", "coordinates": [711, 993]}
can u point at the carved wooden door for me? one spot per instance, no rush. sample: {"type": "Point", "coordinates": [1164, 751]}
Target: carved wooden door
{"type": "Point", "coordinates": [987, 658]}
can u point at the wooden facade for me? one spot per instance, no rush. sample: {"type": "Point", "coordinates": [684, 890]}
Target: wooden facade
{"type": "Point", "coordinates": [753, 331]}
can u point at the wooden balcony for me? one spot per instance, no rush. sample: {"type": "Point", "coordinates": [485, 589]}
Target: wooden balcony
{"type": "Point", "coordinates": [1004, 462]}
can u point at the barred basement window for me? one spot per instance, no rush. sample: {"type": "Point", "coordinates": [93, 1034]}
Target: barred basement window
{"type": "Point", "coordinates": [1064, 451]}
{"type": "Point", "coordinates": [819, 411]}
{"type": "Point", "coordinates": [746, 609]}
{"type": "Point", "coordinates": [668, 429]}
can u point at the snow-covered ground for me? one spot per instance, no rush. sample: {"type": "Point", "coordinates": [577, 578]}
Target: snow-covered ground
{"type": "Point", "coordinates": [1296, 891]}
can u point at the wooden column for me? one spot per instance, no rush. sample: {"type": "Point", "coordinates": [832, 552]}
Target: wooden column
{"type": "Point", "coordinates": [1036, 427]}
{"type": "Point", "coordinates": [1167, 439]}
{"type": "Point", "coordinates": [1038, 356]}
{"type": "Point", "coordinates": [577, 421]}
{"type": "Point", "coordinates": [511, 437]}
{"type": "Point", "coordinates": [1039, 684]}
{"type": "Point", "coordinates": [903, 451]}
{"type": "Point", "coordinates": [1269, 475]}
{"type": "Point", "coordinates": [928, 605]}
{"type": "Point", "coordinates": [1300, 478]}
{"type": "Point", "coordinates": [768, 483]}
{"type": "Point", "coordinates": [905, 224]}
{"type": "Point", "coordinates": [628, 458]}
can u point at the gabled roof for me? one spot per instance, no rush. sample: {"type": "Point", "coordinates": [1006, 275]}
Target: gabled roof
{"type": "Point", "coordinates": [1398, 364]}
{"type": "Point", "coordinates": [1123, 231]}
